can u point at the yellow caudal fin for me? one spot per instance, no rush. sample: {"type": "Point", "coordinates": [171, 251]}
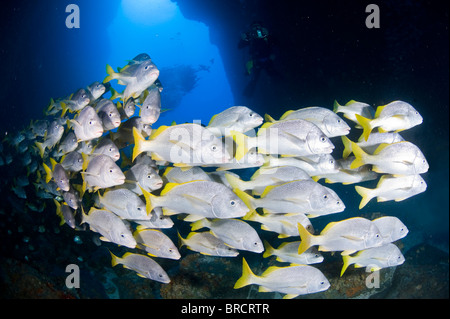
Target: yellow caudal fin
{"type": "Point", "coordinates": [247, 276]}
{"type": "Point", "coordinates": [198, 224]}
{"type": "Point", "coordinates": [347, 146]}
{"type": "Point", "coordinates": [111, 74]}
{"type": "Point", "coordinates": [366, 195]}
{"type": "Point", "coordinates": [149, 200]}
{"type": "Point", "coordinates": [360, 156]}
{"type": "Point", "coordinates": [336, 106]}
{"type": "Point", "coordinates": [347, 263]}
{"type": "Point", "coordinates": [365, 124]}
{"type": "Point", "coordinates": [64, 109]}
{"type": "Point", "coordinates": [234, 181]}
{"type": "Point", "coordinates": [114, 259]}
{"type": "Point", "coordinates": [269, 250]}
{"type": "Point", "coordinates": [246, 198]}
{"type": "Point", "coordinates": [138, 142]}
{"type": "Point", "coordinates": [241, 141]}
{"type": "Point", "coordinates": [306, 239]}
{"type": "Point", "coordinates": [48, 173]}
{"type": "Point", "coordinates": [41, 148]}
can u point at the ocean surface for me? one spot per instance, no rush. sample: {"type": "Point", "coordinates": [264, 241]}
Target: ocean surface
{"type": "Point", "coordinates": [320, 53]}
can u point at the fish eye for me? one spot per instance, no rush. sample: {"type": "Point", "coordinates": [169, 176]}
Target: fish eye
{"type": "Point", "coordinates": [325, 196]}
{"type": "Point", "coordinates": [255, 244]}
{"type": "Point", "coordinates": [146, 67]}
{"type": "Point", "coordinates": [83, 96]}
{"type": "Point", "coordinates": [323, 139]}
{"type": "Point", "coordinates": [233, 203]}
{"type": "Point", "coordinates": [316, 255]}
{"type": "Point", "coordinates": [339, 121]}
{"type": "Point", "coordinates": [122, 235]}
{"type": "Point", "coordinates": [251, 114]}
{"type": "Point", "coordinates": [110, 170]}
{"type": "Point", "coordinates": [214, 148]}
{"type": "Point", "coordinates": [338, 203]}
{"type": "Point", "coordinates": [149, 176]}
{"type": "Point", "coordinates": [331, 161]}
{"type": "Point", "coordinates": [322, 283]}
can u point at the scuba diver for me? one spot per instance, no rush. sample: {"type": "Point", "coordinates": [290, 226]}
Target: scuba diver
{"type": "Point", "coordinates": [260, 44]}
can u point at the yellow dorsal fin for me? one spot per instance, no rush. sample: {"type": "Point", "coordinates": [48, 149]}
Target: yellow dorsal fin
{"type": "Point", "coordinates": [53, 162]}
{"type": "Point", "coordinates": [266, 125]}
{"type": "Point", "coordinates": [269, 118]}
{"type": "Point", "coordinates": [267, 190]}
{"type": "Point", "coordinates": [286, 114]}
{"type": "Point", "coordinates": [379, 109]}
{"type": "Point", "coordinates": [380, 148]}
{"type": "Point", "coordinates": [169, 187]}
{"type": "Point", "coordinates": [212, 119]}
{"type": "Point", "coordinates": [350, 102]}
{"type": "Point", "coordinates": [158, 131]}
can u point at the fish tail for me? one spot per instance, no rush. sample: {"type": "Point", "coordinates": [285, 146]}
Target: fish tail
{"type": "Point", "coordinates": [48, 173]}
{"type": "Point", "coordinates": [346, 259]}
{"type": "Point", "coordinates": [138, 143]}
{"type": "Point", "coordinates": [59, 212]}
{"type": "Point", "coordinates": [111, 74]}
{"type": "Point", "coordinates": [114, 259]}
{"type": "Point", "coordinates": [360, 156]}
{"type": "Point", "coordinates": [306, 239]}
{"type": "Point", "coordinates": [247, 276]}
{"type": "Point", "coordinates": [181, 240]}
{"type": "Point", "coordinates": [366, 195]}
{"type": "Point", "coordinates": [149, 200]}
{"type": "Point", "coordinates": [269, 118]}
{"type": "Point", "coordinates": [269, 250]}
{"type": "Point", "coordinates": [197, 225]}
{"type": "Point", "coordinates": [64, 108]}
{"type": "Point", "coordinates": [246, 198]}
{"type": "Point", "coordinates": [41, 148]}
{"type": "Point", "coordinates": [241, 141]}
{"type": "Point", "coordinates": [234, 181]}
{"type": "Point", "coordinates": [347, 146]}
{"type": "Point", "coordinates": [366, 125]}
{"type": "Point", "coordinates": [336, 107]}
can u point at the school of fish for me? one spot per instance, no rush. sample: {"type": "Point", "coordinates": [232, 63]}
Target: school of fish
{"type": "Point", "coordinates": [104, 164]}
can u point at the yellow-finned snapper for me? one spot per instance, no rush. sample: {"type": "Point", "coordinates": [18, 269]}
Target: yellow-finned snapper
{"type": "Point", "coordinates": [76, 102]}
{"type": "Point", "coordinates": [124, 203]}
{"type": "Point", "coordinates": [72, 198]}
{"type": "Point", "coordinates": [395, 116]}
{"type": "Point", "coordinates": [58, 174]}
{"type": "Point", "coordinates": [95, 91]}
{"type": "Point", "coordinates": [137, 77]}
{"type": "Point", "coordinates": [266, 176]}
{"type": "Point", "coordinates": [180, 175]}
{"type": "Point", "coordinates": [236, 118]}
{"type": "Point", "coordinates": [72, 162]}
{"type": "Point", "coordinates": [157, 220]}
{"type": "Point", "coordinates": [54, 133]}
{"type": "Point", "coordinates": [288, 252]}
{"type": "Point", "coordinates": [289, 138]}
{"type": "Point", "coordinates": [144, 266]}
{"type": "Point", "coordinates": [328, 121]}
{"type": "Point", "coordinates": [374, 141]}
{"type": "Point", "coordinates": [347, 176]}
{"type": "Point", "coordinates": [156, 243]}
{"type": "Point", "coordinates": [142, 175]}
{"type": "Point", "coordinates": [206, 243]}
{"type": "Point", "coordinates": [375, 258]}
{"type": "Point", "coordinates": [401, 158]}
{"type": "Point", "coordinates": [183, 145]}
{"type": "Point", "coordinates": [305, 196]}
{"type": "Point", "coordinates": [151, 107]}
{"type": "Point", "coordinates": [65, 213]}
{"type": "Point", "coordinates": [106, 147]}
{"type": "Point", "coordinates": [390, 187]}
{"type": "Point", "coordinates": [234, 232]}
{"type": "Point", "coordinates": [68, 144]}
{"type": "Point", "coordinates": [110, 226]}
{"type": "Point", "coordinates": [283, 224]}
{"type": "Point", "coordinates": [291, 280]}
{"type": "Point", "coordinates": [319, 165]}
{"type": "Point", "coordinates": [108, 114]}
{"type": "Point", "coordinates": [348, 235]}
{"type": "Point", "coordinates": [201, 198]}
{"type": "Point", "coordinates": [351, 108]}
{"type": "Point", "coordinates": [87, 125]}
{"type": "Point", "coordinates": [101, 172]}
{"type": "Point", "coordinates": [391, 228]}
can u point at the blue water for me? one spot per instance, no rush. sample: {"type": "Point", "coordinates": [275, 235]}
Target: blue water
{"type": "Point", "coordinates": [203, 72]}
